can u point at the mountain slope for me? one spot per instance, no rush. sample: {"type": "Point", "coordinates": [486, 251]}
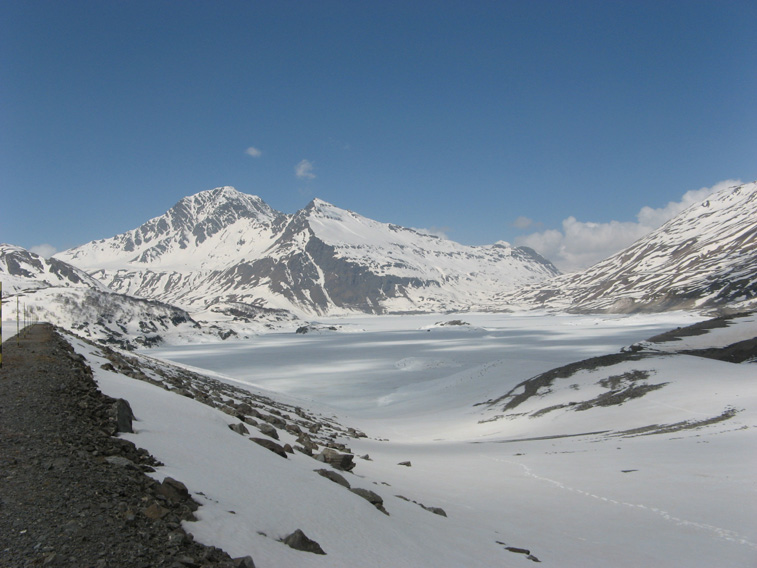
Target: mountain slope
{"type": "Point", "coordinates": [705, 257]}
{"type": "Point", "coordinates": [61, 294]}
{"type": "Point", "coordinates": [23, 271]}
{"type": "Point", "coordinates": [651, 387]}
{"type": "Point", "coordinates": [581, 474]}
{"type": "Point", "coordinates": [222, 247]}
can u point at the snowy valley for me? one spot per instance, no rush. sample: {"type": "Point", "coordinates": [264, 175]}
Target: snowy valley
{"type": "Point", "coordinates": [626, 459]}
{"type": "Point", "coordinates": [405, 400]}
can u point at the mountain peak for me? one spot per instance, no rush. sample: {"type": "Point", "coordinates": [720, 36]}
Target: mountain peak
{"type": "Point", "coordinates": [170, 238]}
{"type": "Point", "coordinates": [222, 245]}
{"type": "Point", "coordinates": [209, 201]}
{"type": "Point", "coordinates": [319, 204]}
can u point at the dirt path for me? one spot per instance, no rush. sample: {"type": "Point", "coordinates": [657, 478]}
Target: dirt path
{"type": "Point", "coordinates": [71, 494]}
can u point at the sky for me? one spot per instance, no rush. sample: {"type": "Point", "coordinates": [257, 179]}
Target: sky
{"type": "Point", "coordinates": [568, 126]}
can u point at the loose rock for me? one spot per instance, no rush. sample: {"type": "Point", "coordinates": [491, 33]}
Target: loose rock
{"type": "Point", "coordinates": [373, 498]}
{"type": "Point", "coordinates": [270, 445]}
{"type": "Point", "coordinates": [336, 460]}
{"type": "Point", "coordinates": [333, 476]}
{"type": "Point", "coordinates": [299, 541]}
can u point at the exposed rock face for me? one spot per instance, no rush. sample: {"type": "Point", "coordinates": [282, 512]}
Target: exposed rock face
{"type": "Point", "coordinates": [124, 415]}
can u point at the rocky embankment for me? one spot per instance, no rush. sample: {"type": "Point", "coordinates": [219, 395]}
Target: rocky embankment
{"type": "Point", "coordinates": [71, 493]}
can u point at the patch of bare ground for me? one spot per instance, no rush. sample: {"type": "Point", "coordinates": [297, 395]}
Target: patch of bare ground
{"type": "Point", "coordinates": [727, 414]}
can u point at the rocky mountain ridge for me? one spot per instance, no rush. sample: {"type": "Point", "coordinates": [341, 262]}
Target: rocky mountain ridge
{"type": "Point", "coordinates": [222, 247]}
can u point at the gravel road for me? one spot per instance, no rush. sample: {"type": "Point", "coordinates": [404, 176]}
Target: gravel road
{"type": "Point", "coordinates": [71, 492]}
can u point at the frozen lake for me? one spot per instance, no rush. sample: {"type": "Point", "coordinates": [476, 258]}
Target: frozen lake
{"type": "Point", "coordinates": [374, 366]}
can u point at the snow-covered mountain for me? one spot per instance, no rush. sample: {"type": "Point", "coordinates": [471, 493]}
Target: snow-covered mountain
{"type": "Point", "coordinates": [23, 271]}
{"type": "Point", "coordinates": [221, 249]}
{"type": "Point", "coordinates": [59, 293]}
{"type": "Point", "coordinates": [706, 257]}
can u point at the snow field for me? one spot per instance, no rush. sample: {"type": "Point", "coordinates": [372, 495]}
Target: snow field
{"type": "Point", "coordinates": [685, 498]}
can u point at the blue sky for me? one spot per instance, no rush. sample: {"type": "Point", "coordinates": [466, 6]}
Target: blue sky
{"type": "Point", "coordinates": [485, 120]}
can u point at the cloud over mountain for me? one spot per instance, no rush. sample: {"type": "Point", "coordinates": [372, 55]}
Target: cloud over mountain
{"type": "Point", "coordinates": [304, 170]}
{"type": "Point", "coordinates": [580, 244]}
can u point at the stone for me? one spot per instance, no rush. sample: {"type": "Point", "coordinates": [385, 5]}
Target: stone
{"type": "Point", "coordinates": [517, 550]}
{"type": "Point", "coordinates": [275, 420]}
{"type": "Point", "coordinates": [307, 443]}
{"type": "Point", "coordinates": [244, 408]}
{"type": "Point", "coordinates": [268, 430]}
{"type": "Point", "coordinates": [173, 490]}
{"type": "Point", "coordinates": [333, 476]}
{"type": "Point", "coordinates": [121, 462]}
{"type": "Point", "coordinates": [124, 415]}
{"type": "Point", "coordinates": [299, 541]}
{"type": "Point", "coordinates": [270, 445]}
{"type": "Point", "coordinates": [155, 512]}
{"type": "Point", "coordinates": [239, 428]}
{"type": "Point", "coordinates": [336, 460]}
{"type": "Point", "coordinates": [373, 498]}
{"type": "Point", "coordinates": [176, 537]}
{"type": "Point", "coordinates": [243, 562]}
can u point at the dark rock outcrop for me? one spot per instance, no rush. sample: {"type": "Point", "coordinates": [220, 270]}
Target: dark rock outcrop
{"type": "Point", "coordinates": [299, 541]}
{"type": "Point", "coordinates": [271, 445]}
{"type": "Point", "coordinates": [336, 460]}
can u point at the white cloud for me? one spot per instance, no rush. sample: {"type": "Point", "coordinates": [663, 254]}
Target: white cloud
{"type": "Point", "coordinates": [580, 244]}
{"type": "Point", "coordinates": [44, 250]}
{"type": "Point", "coordinates": [254, 152]}
{"type": "Point", "coordinates": [656, 217]}
{"type": "Point", "coordinates": [304, 170]}
{"type": "Point", "coordinates": [523, 223]}
{"type": "Point", "coordinates": [440, 232]}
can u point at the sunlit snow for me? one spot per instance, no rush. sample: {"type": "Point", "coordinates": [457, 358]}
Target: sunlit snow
{"type": "Point", "coordinates": [551, 484]}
